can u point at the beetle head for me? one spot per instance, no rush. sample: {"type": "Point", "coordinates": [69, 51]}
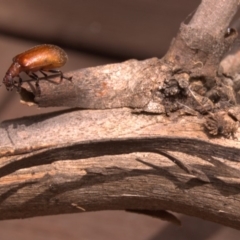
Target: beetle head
{"type": "Point", "coordinates": [8, 81]}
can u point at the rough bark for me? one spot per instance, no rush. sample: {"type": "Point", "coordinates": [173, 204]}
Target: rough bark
{"type": "Point", "coordinates": [136, 149]}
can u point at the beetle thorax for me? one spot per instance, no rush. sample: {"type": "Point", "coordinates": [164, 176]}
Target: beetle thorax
{"type": "Point", "coordinates": [14, 69]}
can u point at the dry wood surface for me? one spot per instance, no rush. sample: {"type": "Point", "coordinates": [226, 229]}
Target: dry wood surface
{"type": "Point", "coordinates": [144, 136]}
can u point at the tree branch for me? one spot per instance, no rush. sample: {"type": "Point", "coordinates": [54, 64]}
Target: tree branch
{"type": "Point", "coordinates": [116, 158]}
{"type": "Point", "coordinates": [58, 164]}
{"type": "Point", "coordinates": [214, 16]}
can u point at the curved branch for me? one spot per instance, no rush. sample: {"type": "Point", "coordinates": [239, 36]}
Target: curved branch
{"type": "Point", "coordinates": [73, 161]}
{"type": "Point", "coordinates": [50, 169]}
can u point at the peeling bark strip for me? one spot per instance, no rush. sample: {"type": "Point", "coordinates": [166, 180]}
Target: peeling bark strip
{"type": "Point", "coordinates": [93, 149]}
{"type": "Point", "coordinates": [74, 161]}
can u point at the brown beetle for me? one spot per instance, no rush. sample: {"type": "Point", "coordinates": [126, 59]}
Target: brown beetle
{"type": "Point", "coordinates": [43, 58]}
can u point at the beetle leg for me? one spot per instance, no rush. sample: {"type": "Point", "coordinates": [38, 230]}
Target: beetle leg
{"type": "Point", "coordinates": [19, 84]}
{"type": "Point", "coordinates": [38, 89]}
{"type": "Point", "coordinates": [35, 77]}
{"type": "Point", "coordinates": [44, 74]}
{"type": "Point", "coordinates": [61, 74]}
{"type": "Point", "coordinates": [13, 85]}
{"type": "Point", "coordinates": [47, 77]}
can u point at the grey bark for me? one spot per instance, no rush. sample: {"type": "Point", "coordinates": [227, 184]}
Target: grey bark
{"type": "Point", "coordinates": [135, 147]}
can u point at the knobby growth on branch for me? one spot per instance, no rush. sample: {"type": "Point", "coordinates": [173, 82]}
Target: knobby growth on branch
{"type": "Point", "coordinates": [144, 136]}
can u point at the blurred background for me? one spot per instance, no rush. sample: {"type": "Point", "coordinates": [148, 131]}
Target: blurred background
{"type": "Point", "coordinates": [94, 33]}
